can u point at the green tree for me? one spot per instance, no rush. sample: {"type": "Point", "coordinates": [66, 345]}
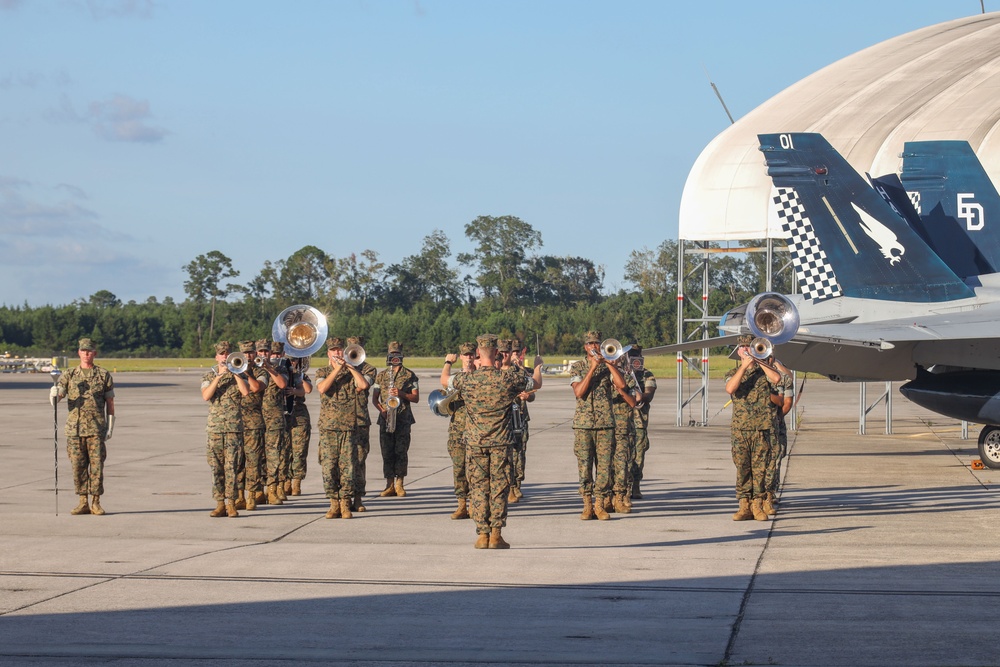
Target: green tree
{"type": "Point", "coordinates": [425, 277]}
{"type": "Point", "coordinates": [206, 274]}
{"type": "Point", "coordinates": [501, 256]}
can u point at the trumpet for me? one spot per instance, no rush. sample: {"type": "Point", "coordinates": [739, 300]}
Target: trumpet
{"type": "Point", "coordinates": [258, 361]}
{"type": "Point", "coordinates": [354, 355]}
{"type": "Point", "coordinates": [236, 363]}
{"type": "Point", "coordinates": [442, 403]}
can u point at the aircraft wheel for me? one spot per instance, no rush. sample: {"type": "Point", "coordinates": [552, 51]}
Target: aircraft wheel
{"type": "Point", "coordinates": [989, 446]}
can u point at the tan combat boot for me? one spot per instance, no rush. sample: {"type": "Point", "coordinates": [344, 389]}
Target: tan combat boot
{"type": "Point", "coordinates": [517, 492]}
{"type": "Point", "coordinates": [511, 497]}
{"type": "Point", "coordinates": [272, 495]}
{"type": "Point", "coordinates": [220, 509]}
{"type": "Point", "coordinates": [358, 505]}
{"type": "Point", "coordinates": [296, 487]}
{"type": "Point", "coordinates": [497, 541]}
{"type": "Point", "coordinates": [82, 507]}
{"type": "Point", "coordinates": [400, 491]}
{"type": "Point", "coordinates": [251, 502]}
{"type": "Point", "coordinates": [619, 504]}
{"type": "Point", "coordinates": [241, 501]}
{"type": "Point", "coordinates": [599, 509]}
{"type": "Point", "coordinates": [345, 509]}
{"type": "Point", "coordinates": [757, 510]}
{"type": "Point", "coordinates": [279, 491]}
{"type": "Point", "coordinates": [767, 505]}
{"type": "Point", "coordinates": [95, 506]}
{"type": "Point", "coordinates": [463, 510]}
{"type": "Point", "coordinates": [483, 541]}
{"type": "Point", "coordinates": [389, 489]}
{"type": "Point", "coordinates": [231, 509]}
{"type": "Point", "coordinates": [743, 513]}
{"type": "Point", "coordinates": [609, 506]}
{"type": "Point", "coordinates": [334, 511]}
{"type": "Point", "coordinates": [288, 487]}
{"type": "Point", "coordinates": [261, 496]}
{"type": "Point", "coordinates": [588, 509]}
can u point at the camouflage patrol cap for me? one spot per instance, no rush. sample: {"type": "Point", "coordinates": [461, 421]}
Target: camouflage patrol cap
{"type": "Point", "coordinates": [263, 345]}
{"type": "Point", "coordinates": [467, 348]}
{"type": "Point", "coordinates": [745, 339]}
{"type": "Point", "coordinates": [487, 341]}
{"type": "Point", "coordinates": [356, 340]}
{"type": "Point", "coordinates": [277, 347]}
{"type": "Point", "coordinates": [504, 345]}
{"type": "Point", "coordinates": [223, 347]}
{"type": "Point", "coordinates": [636, 351]}
{"type": "Point", "coordinates": [592, 336]}
{"type": "Point", "coordinates": [335, 343]}
{"type": "Point", "coordinates": [246, 346]}
{"type": "Point", "coordinates": [515, 345]}
{"type": "Point", "coordinates": [395, 347]}
{"type": "Point", "coordinates": [87, 344]}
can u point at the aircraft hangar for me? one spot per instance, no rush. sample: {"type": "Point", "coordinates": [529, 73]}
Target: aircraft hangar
{"type": "Point", "coordinates": [939, 82]}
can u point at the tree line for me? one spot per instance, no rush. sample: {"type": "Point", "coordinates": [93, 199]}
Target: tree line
{"type": "Point", "coordinates": [427, 301]}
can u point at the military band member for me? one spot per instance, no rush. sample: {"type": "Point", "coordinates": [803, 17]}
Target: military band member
{"type": "Point", "coordinates": [224, 392]}
{"type": "Point", "coordinates": [89, 391]}
{"type": "Point", "coordinates": [283, 488]}
{"type": "Point", "coordinates": [647, 385]}
{"type": "Point", "coordinates": [750, 384]}
{"type": "Point", "coordinates": [299, 422]}
{"type": "Point", "coordinates": [275, 427]}
{"type": "Point", "coordinates": [594, 382]}
{"type": "Point", "coordinates": [782, 398]}
{"type": "Point", "coordinates": [362, 432]}
{"type": "Point", "coordinates": [248, 474]}
{"type": "Point", "coordinates": [456, 428]}
{"type": "Point", "coordinates": [338, 385]}
{"type": "Point", "coordinates": [395, 384]}
{"type": "Point", "coordinates": [519, 451]}
{"type": "Point", "coordinates": [489, 394]}
{"type": "Point", "coordinates": [623, 402]}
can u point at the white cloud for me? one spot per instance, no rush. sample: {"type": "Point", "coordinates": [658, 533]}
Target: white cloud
{"type": "Point", "coordinates": [120, 118]}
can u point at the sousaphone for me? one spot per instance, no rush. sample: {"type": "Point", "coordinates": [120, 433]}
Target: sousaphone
{"type": "Point", "coordinates": [303, 330]}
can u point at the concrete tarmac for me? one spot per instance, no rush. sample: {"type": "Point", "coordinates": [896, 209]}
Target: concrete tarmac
{"type": "Point", "coordinates": [883, 552]}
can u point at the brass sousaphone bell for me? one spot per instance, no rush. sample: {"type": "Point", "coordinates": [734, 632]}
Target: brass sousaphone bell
{"type": "Point", "coordinates": [303, 330]}
{"type": "Point", "coordinates": [440, 402]}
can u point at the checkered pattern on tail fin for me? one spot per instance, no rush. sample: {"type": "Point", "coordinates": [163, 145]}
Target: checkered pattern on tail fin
{"type": "Point", "coordinates": [817, 279]}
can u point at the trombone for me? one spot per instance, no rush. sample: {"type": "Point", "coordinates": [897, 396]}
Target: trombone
{"type": "Point", "coordinates": [354, 355]}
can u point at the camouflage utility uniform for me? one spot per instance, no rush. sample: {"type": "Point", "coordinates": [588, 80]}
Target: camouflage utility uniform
{"type": "Point", "coordinates": [338, 418]}
{"type": "Point", "coordinates": [624, 452]}
{"type": "Point", "coordinates": [299, 430]}
{"type": "Point", "coordinates": [593, 430]}
{"type": "Point", "coordinates": [641, 414]}
{"type": "Point", "coordinates": [779, 439]}
{"type": "Point", "coordinates": [362, 433]}
{"type": "Point", "coordinates": [395, 446]}
{"type": "Point", "coordinates": [225, 433]}
{"type": "Point", "coordinates": [86, 391]}
{"type": "Point", "coordinates": [275, 434]}
{"type": "Point", "coordinates": [753, 419]}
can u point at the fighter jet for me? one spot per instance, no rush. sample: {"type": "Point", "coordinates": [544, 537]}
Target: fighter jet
{"type": "Point", "coordinates": [877, 302]}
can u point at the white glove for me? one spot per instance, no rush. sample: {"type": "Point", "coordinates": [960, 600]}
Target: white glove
{"type": "Point", "coordinates": [111, 427]}
{"type": "Point", "coordinates": [54, 395]}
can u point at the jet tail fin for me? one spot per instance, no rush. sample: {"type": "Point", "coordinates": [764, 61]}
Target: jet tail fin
{"type": "Point", "coordinates": [953, 196]}
{"type": "Point", "coordinates": [844, 238]}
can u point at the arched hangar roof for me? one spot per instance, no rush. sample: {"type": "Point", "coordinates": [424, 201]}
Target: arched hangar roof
{"type": "Point", "coordinates": [939, 82]}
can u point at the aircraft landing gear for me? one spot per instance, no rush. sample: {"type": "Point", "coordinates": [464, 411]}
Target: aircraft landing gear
{"type": "Point", "coordinates": [989, 446]}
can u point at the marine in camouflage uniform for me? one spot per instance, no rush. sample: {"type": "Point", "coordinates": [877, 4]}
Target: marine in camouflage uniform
{"type": "Point", "coordinates": [362, 432]}
{"type": "Point", "coordinates": [248, 473]}
{"type": "Point", "coordinates": [750, 385]}
{"type": "Point", "coordinates": [489, 394]}
{"type": "Point", "coordinates": [623, 406]}
{"type": "Point", "coordinates": [89, 391]}
{"type": "Point", "coordinates": [520, 449]}
{"type": "Point", "coordinates": [338, 385]}
{"type": "Point", "coordinates": [782, 398]}
{"type": "Point", "coordinates": [298, 422]}
{"type": "Point", "coordinates": [224, 392]}
{"type": "Point", "coordinates": [456, 429]}
{"type": "Point", "coordinates": [275, 427]}
{"type": "Point", "coordinates": [647, 385]}
{"type": "Point", "coordinates": [594, 381]}
{"type": "Point", "coordinates": [399, 381]}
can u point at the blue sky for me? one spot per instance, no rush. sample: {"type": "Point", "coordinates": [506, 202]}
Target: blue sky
{"type": "Point", "coordinates": [136, 135]}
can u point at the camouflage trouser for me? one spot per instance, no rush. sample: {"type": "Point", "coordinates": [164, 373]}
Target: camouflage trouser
{"type": "Point", "coordinates": [779, 443]}
{"type": "Point", "coordinates": [298, 437]}
{"type": "Point", "coordinates": [253, 453]}
{"type": "Point", "coordinates": [395, 451]}
{"type": "Point", "coordinates": [751, 451]}
{"type": "Point", "coordinates": [641, 447]}
{"type": "Point", "coordinates": [223, 448]}
{"type": "Point", "coordinates": [622, 460]}
{"type": "Point", "coordinates": [489, 484]}
{"type": "Point", "coordinates": [274, 443]}
{"type": "Point", "coordinates": [285, 456]}
{"type": "Point", "coordinates": [336, 459]}
{"type": "Point", "coordinates": [456, 450]}
{"type": "Point", "coordinates": [518, 459]}
{"type": "Point", "coordinates": [593, 448]}
{"type": "Point", "coordinates": [86, 456]}
{"type": "Point", "coordinates": [362, 446]}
